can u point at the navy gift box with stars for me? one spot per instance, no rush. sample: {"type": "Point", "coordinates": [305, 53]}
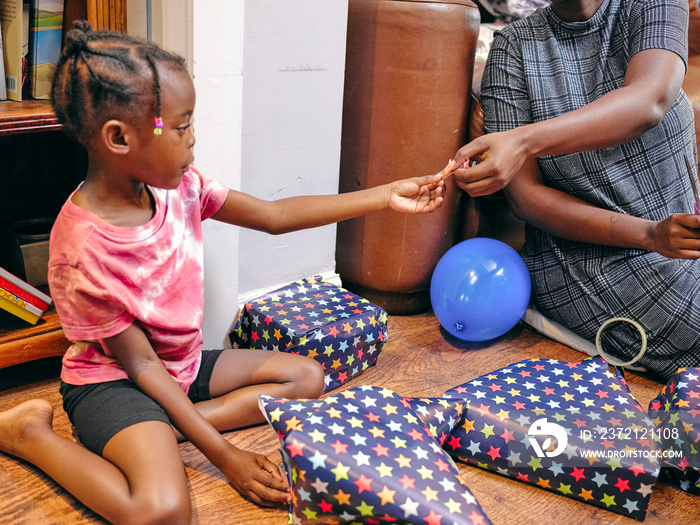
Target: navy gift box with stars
{"type": "Point", "coordinates": [368, 455]}
{"type": "Point", "coordinates": [570, 428]}
{"type": "Point", "coordinates": [314, 318]}
{"type": "Point", "coordinates": [676, 411]}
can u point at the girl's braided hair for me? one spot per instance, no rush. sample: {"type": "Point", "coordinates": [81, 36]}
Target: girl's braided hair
{"type": "Point", "coordinates": [103, 75]}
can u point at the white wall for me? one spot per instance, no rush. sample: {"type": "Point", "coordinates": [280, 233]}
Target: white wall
{"type": "Point", "coordinates": [293, 73]}
{"type": "Point", "coordinates": [269, 81]}
{"type": "Point", "coordinates": [218, 77]}
{"type": "Point", "coordinates": [217, 65]}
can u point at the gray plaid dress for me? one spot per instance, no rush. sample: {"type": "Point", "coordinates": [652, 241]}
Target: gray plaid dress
{"type": "Point", "coordinates": [541, 67]}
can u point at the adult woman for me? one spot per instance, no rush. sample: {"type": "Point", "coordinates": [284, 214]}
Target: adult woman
{"type": "Point", "coordinates": [590, 131]}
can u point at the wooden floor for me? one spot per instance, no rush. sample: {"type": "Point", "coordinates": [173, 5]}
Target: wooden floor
{"type": "Point", "coordinates": [419, 359]}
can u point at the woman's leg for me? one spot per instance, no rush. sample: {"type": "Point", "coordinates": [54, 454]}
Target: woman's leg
{"type": "Point", "coordinates": [139, 479]}
{"type": "Point", "coordinates": [240, 376]}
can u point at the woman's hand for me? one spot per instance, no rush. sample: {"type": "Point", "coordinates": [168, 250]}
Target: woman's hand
{"type": "Point", "coordinates": [255, 477]}
{"type": "Point", "coordinates": [498, 157]}
{"type": "Point", "coordinates": [677, 236]}
{"type": "Point", "coordinates": [418, 194]}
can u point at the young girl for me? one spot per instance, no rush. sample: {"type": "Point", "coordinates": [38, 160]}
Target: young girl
{"type": "Point", "coordinates": [126, 276]}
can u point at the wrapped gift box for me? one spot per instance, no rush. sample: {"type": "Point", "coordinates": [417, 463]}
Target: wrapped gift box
{"type": "Point", "coordinates": [312, 317]}
{"type": "Point", "coordinates": [571, 428]}
{"type": "Point", "coordinates": [368, 455]}
{"type": "Point", "coordinates": [676, 412]}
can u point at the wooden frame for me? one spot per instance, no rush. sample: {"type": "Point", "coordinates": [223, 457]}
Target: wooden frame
{"type": "Point", "coordinates": [107, 14]}
{"type": "Point", "coordinates": [18, 345]}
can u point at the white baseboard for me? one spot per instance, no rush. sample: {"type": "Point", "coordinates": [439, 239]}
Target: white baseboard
{"type": "Point", "coordinates": [330, 277]}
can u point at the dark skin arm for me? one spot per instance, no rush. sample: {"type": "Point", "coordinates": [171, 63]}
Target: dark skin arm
{"type": "Point", "coordinates": [253, 475]}
{"type": "Point", "coordinates": [652, 82]}
{"type": "Point", "coordinates": [416, 195]}
{"type": "Point", "coordinates": [567, 217]}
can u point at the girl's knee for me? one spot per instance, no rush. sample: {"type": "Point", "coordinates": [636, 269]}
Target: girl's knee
{"type": "Point", "coordinates": [166, 508]}
{"type": "Point", "coordinates": [158, 491]}
{"type": "Point", "coordinates": [308, 378]}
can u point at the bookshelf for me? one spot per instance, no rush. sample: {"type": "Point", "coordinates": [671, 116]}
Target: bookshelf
{"type": "Point", "coordinates": [31, 116]}
{"type": "Point", "coordinates": [40, 167]}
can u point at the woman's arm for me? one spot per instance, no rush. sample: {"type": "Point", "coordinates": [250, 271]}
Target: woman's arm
{"type": "Point", "coordinates": [568, 217]}
{"type": "Point", "coordinates": [416, 195]}
{"type": "Point", "coordinates": [652, 82]}
{"type": "Point", "coordinates": [253, 475]}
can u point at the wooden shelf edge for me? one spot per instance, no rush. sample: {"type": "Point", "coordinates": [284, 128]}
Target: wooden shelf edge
{"type": "Point", "coordinates": [27, 117]}
{"type": "Point", "coordinates": [30, 348]}
{"type": "Point", "coordinates": [48, 324]}
{"type": "Point", "coordinates": [30, 127]}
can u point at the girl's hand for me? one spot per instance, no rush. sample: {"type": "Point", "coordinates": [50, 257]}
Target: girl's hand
{"type": "Point", "coordinates": [417, 195]}
{"type": "Point", "coordinates": [256, 478]}
{"type": "Point", "coordinates": [677, 236]}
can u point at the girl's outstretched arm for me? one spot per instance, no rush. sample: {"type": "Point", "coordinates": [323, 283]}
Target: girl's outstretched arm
{"type": "Point", "coordinates": [415, 195]}
{"type": "Point", "coordinates": [568, 217]}
{"type": "Point", "coordinates": [253, 475]}
{"type": "Point", "coordinates": [652, 82]}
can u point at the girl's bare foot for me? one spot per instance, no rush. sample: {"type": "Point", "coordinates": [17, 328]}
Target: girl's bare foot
{"type": "Point", "coordinates": [20, 425]}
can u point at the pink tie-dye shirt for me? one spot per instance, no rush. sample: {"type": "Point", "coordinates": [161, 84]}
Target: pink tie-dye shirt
{"type": "Point", "coordinates": [103, 278]}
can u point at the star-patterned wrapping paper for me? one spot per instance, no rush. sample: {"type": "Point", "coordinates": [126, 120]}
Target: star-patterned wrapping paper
{"type": "Point", "coordinates": [368, 455]}
{"type": "Point", "coordinates": [314, 318]}
{"type": "Point", "coordinates": [571, 428]}
{"type": "Point", "coordinates": [676, 412]}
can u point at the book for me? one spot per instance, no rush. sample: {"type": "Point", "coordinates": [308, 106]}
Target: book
{"type": "Point", "coordinates": [9, 307]}
{"type": "Point", "coordinates": [14, 25]}
{"type": "Point", "coordinates": [19, 292]}
{"type": "Point", "coordinates": [24, 290]}
{"type": "Point", "coordinates": [20, 302]}
{"type": "Point", "coordinates": [18, 307]}
{"type": "Point", "coordinates": [45, 33]}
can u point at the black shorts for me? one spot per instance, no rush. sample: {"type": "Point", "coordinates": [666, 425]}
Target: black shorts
{"type": "Point", "coordinates": [99, 411]}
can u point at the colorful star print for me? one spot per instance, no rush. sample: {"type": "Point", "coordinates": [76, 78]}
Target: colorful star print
{"type": "Point", "coordinates": [676, 411]}
{"type": "Point", "coordinates": [379, 460]}
{"type": "Point", "coordinates": [314, 318]}
{"type": "Point", "coordinates": [571, 428]}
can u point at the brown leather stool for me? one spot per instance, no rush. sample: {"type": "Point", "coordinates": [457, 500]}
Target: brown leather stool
{"type": "Point", "coordinates": [408, 76]}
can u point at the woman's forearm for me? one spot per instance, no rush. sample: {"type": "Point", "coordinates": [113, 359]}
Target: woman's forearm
{"type": "Point", "coordinates": [567, 217]}
{"type": "Point", "coordinates": [652, 82]}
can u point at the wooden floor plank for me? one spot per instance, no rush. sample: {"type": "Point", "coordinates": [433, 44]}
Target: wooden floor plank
{"type": "Point", "coordinates": [419, 359]}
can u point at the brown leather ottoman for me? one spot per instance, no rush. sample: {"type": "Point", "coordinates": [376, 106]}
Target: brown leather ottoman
{"type": "Point", "coordinates": [408, 76]}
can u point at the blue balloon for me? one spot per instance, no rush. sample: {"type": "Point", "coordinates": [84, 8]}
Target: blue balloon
{"type": "Point", "coordinates": [480, 289]}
